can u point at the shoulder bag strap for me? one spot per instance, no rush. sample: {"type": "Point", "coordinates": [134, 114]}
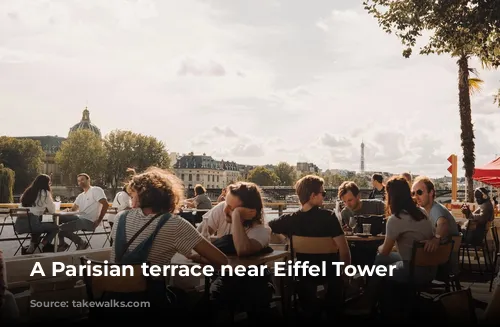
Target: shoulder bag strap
{"type": "Point", "coordinates": [125, 248]}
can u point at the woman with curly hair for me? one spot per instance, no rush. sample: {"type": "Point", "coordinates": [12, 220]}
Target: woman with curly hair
{"type": "Point", "coordinates": [156, 196]}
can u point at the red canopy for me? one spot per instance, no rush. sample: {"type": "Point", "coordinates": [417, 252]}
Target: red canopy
{"type": "Point", "coordinates": [489, 173]}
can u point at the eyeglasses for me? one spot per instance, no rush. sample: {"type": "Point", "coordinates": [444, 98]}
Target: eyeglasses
{"type": "Point", "coordinates": [419, 192]}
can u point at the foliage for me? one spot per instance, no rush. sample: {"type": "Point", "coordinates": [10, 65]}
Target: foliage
{"type": "Point", "coordinates": [7, 178]}
{"type": "Point", "coordinates": [460, 28]}
{"type": "Point", "coordinates": [82, 152]}
{"type": "Point", "coordinates": [457, 27]}
{"type": "Point", "coordinates": [286, 174]}
{"type": "Point", "coordinates": [125, 149]}
{"type": "Point", "coordinates": [263, 177]}
{"type": "Point", "coordinates": [24, 156]}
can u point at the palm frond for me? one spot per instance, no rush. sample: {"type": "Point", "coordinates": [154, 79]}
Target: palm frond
{"type": "Point", "coordinates": [475, 85]}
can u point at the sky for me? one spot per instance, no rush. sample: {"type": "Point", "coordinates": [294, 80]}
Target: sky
{"type": "Point", "coordinates": [256, 82]}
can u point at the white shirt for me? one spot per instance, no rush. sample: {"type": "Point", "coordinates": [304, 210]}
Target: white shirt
{"type": "Point", "coordinates": [88, 203]}
{"type": "Point", "coordinates": [43, 201]}
{"type": "Point", "coordinates": [217, 222]}
{"type": "Point", "coordinates": [121, 202]}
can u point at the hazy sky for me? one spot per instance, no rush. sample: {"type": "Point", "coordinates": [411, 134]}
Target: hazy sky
{"type": "Point", "coordinates": [254, 82]}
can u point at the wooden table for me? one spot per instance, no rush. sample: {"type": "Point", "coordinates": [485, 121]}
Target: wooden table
{"type": "Point", "coordinates": [355, 238]}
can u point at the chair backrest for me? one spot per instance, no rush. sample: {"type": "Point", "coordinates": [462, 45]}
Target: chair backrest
{"type": "Point", "coordinates": [458, 307]}
{"type": "Point", "coordinates": [421, 258]}
{"type": "Point", "coordinates": [17, 212]}
{"type": "Point", "coordinates": [377, 223]}
{"type": "Point", "coordinates": [133, 282]}
{"type": "Point", "coordinates": [313, 245]}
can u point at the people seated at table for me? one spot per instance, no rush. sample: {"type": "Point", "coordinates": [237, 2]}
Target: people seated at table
{"type": "Point", "coordinates": [313, 221]}
{"type": "Point", "coordinates": [156, 194]}
{"type": "Point", "coordinates": [38, 199]}
{"type": "Point", "coordinates": [355, 206]}
{"type": "Point", "coordinates": [481, 216]}
{"type": "Point", "coordinates": [219, 224]}
{"type": "Point", "coordinates": [91, 205]}
{"type": "Point", "coordinates": [424, 192]}
{"type": "Point", "coordinates": [152, 232]}
{"type": "Point", "coordinates": [407, 223]}
{"type": "Point", "coordinates": [200, 200]}
{"type": "Point", "coordinates": [122, 201]}
{"type": "Point", "coordinates": [243, 234]}
{"type": "Point", "coordinates": [378, 191]}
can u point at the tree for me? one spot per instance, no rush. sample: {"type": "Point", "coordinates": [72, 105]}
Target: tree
{"type": "Point", "coordinates": [149, 151]}
{"type": "Point", "coordinates": [24, 157]}
{"type": "Point", "coordinates": [125, 149]}
{"type": "Point", "coordinates": [7, 178]}
{"type": "Point", "coordinates": [263, 177]}
{"type": "Point", "coordinates": [83, 152]}
{"type": "Point", "coordinates": [460, 28]}
{"type": "Point", "coordinates": [286, 174]}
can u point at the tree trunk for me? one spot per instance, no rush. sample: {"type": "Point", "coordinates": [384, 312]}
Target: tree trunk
{"type": "Point", "coordinates": [467, 135]}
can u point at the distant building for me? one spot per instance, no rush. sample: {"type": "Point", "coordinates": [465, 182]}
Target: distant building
{"type": "Point", "coordinates": [205, 170]}
{"type": "Point", "coordinates": [52, 144]}
{"type": "Point", "coordinates": [307, 167]}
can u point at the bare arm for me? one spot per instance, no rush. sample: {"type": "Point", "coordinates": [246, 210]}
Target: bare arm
{"type": "Point", "coordinates": [201, 226]}
{"type": "Point", "coordinates": [386, 248]}
{"type": "Point", "coordinates": [344, 251]}
{"type": "Point", "coordinates": [104, 210]}
{"type": "Point", "coordinates": [244, 245]}
{"type": "Point", "coordinates": [442, 227]}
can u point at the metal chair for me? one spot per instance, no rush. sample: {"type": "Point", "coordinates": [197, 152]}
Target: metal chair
{"type": "Point", "coordinates": [22, 213]}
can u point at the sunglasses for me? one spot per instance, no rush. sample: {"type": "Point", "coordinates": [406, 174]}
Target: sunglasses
{"type": "Point", "coordinates": [418, 192]}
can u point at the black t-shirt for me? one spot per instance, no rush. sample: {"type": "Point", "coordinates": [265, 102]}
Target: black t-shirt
{"type": "Point", "coordinates": [316, 222]}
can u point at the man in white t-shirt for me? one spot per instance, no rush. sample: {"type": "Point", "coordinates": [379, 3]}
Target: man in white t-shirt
{"type": "Point", "coordinates": [91, 205]}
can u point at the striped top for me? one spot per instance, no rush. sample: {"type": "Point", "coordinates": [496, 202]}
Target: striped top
{"type": "Point", "coordinates": [177, 235]}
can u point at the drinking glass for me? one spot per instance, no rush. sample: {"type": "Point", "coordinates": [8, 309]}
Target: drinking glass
{"type": "Point", "coordinates": [58, 198]}
{"type": "Point", "coordinates": [353, 222]}
{"type": "Point", "coordinates": [367, 228]}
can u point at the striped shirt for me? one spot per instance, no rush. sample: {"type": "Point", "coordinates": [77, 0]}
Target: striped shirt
{"type": "Point", "coordinates": [177, 235]}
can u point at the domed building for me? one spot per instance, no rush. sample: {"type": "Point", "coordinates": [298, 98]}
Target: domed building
{"type": "Point", "coordinates": [51, 144]}
{"type": "Point", "coordinates": [85, 124]}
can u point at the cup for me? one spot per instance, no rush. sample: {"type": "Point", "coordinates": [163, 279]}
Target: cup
{"type": "Point", "coordinates": [58, 206]}
{"type": "Point", "coordinates": [367, 228]}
